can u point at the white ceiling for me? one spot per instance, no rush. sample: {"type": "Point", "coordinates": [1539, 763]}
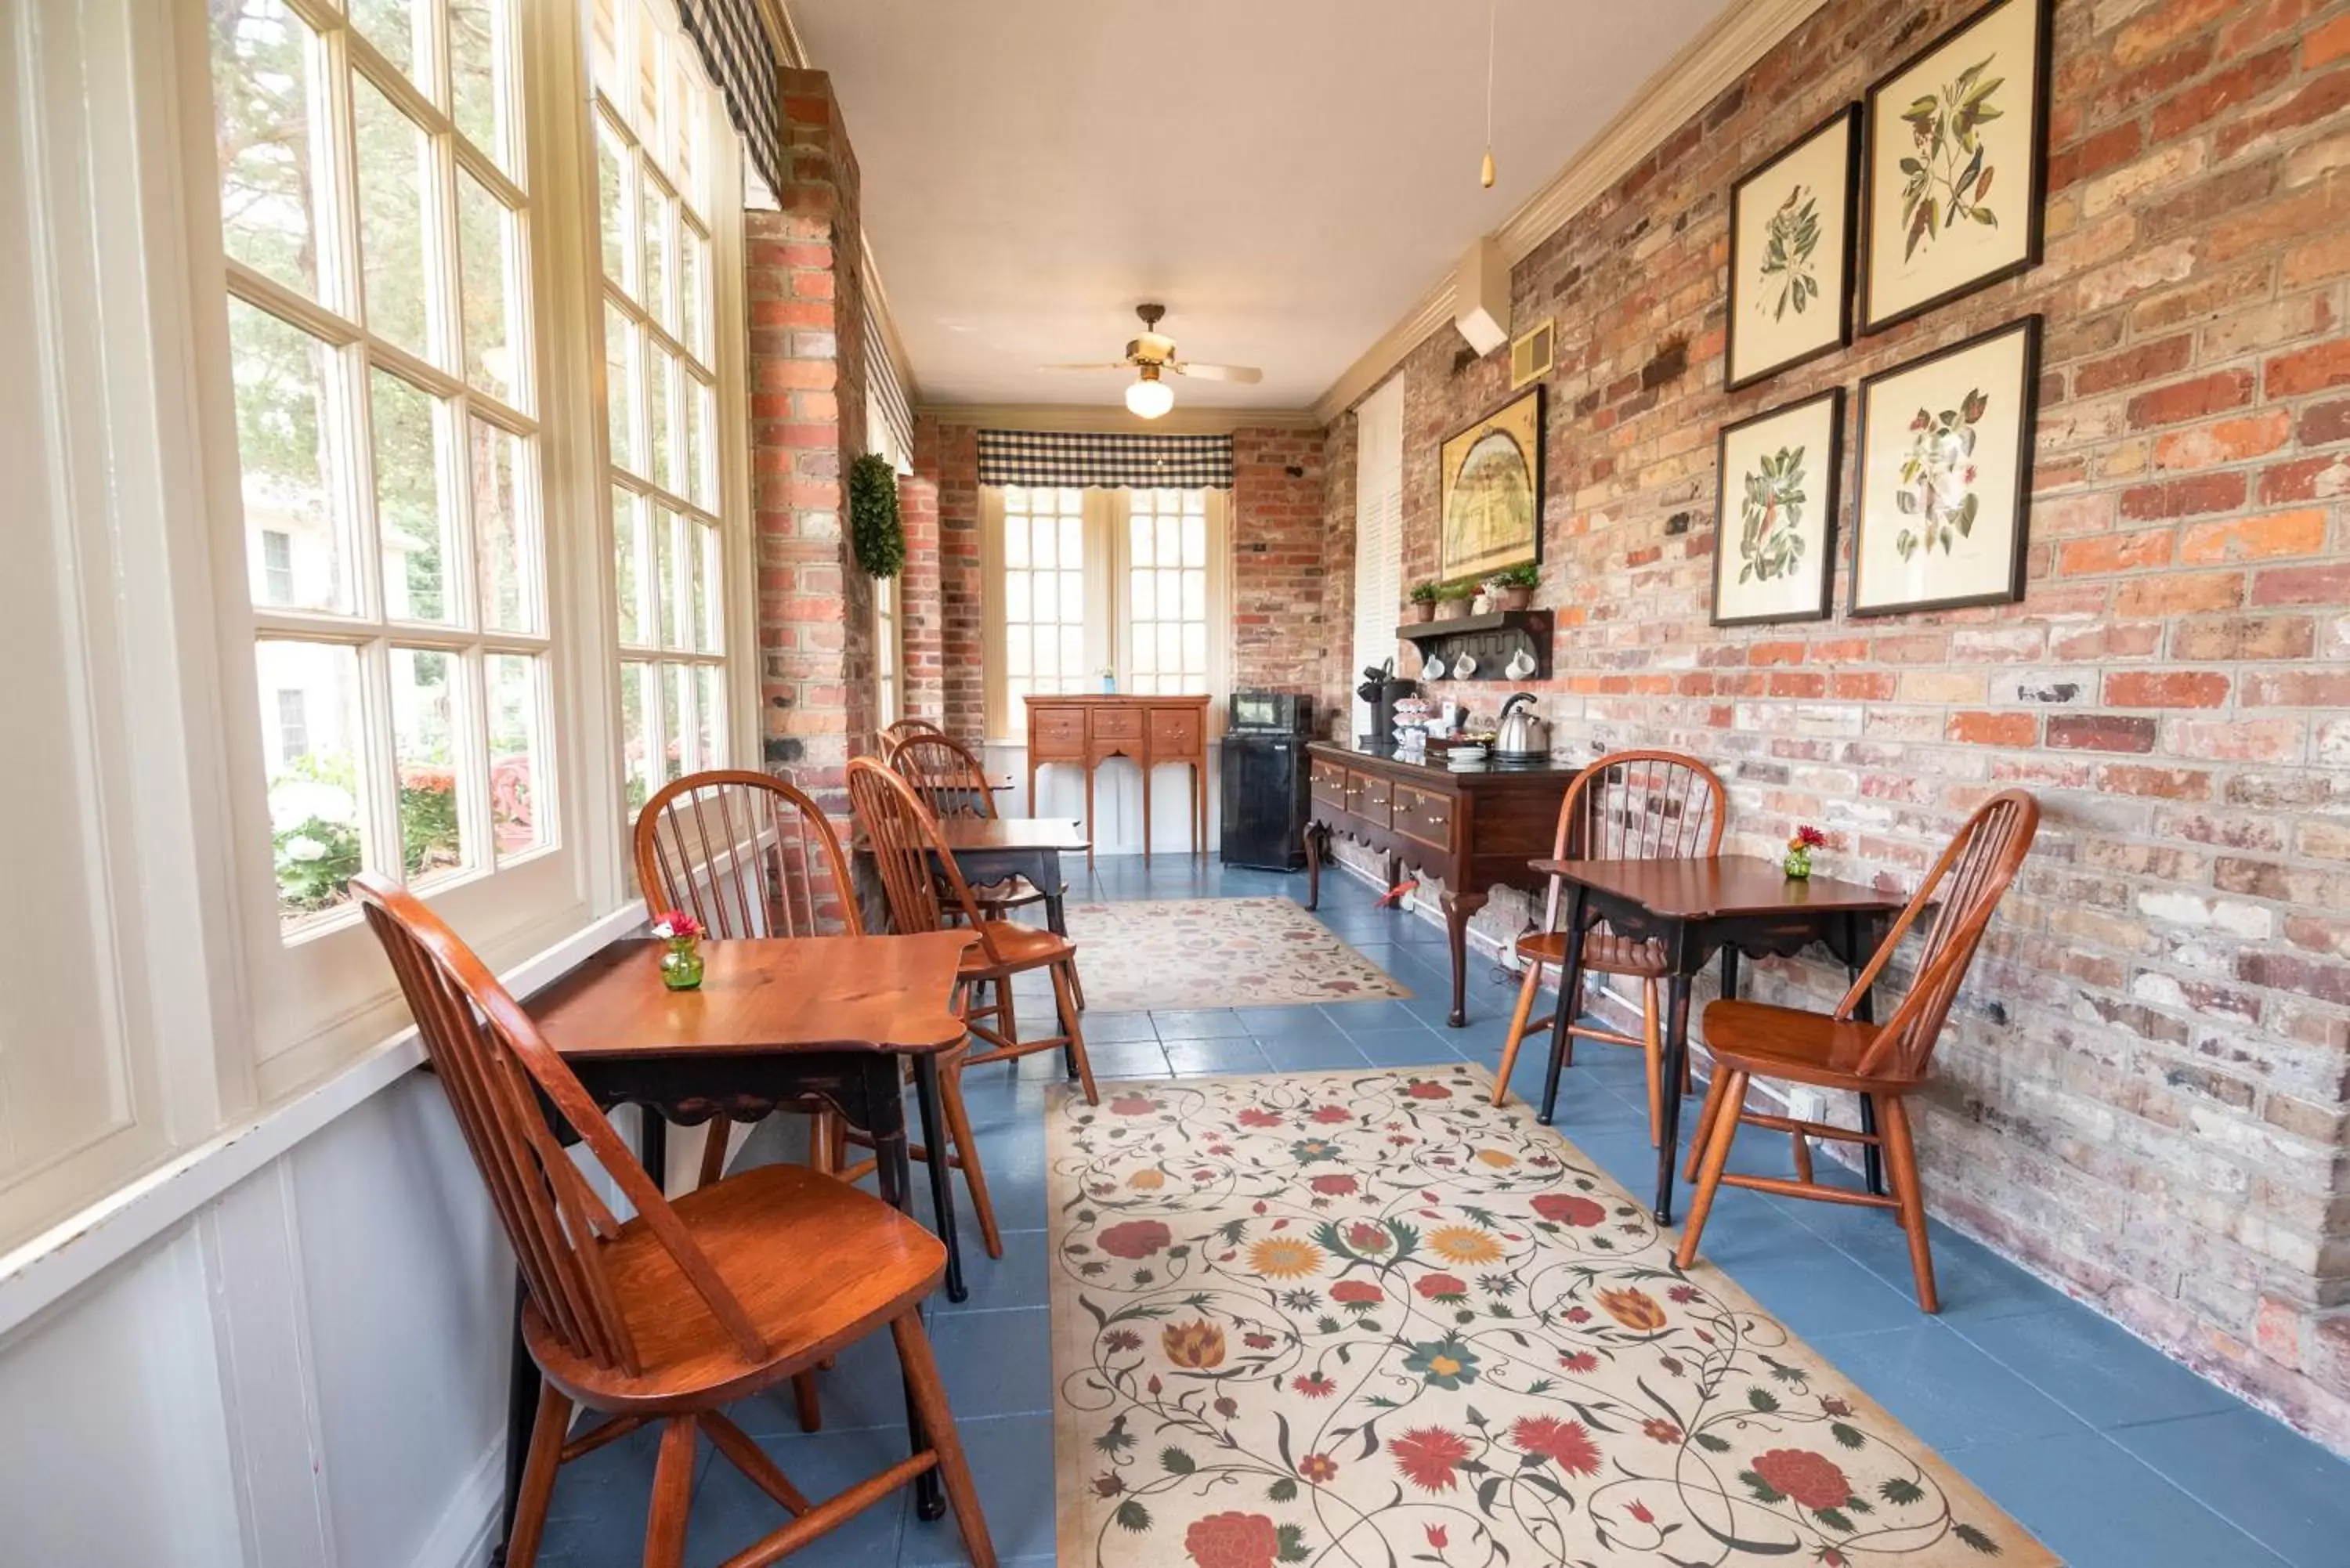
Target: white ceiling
{"type": "Point", "coordinates": [1286, 176]}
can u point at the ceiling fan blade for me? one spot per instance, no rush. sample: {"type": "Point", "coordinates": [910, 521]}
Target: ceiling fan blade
{"type": "Point", "coordinates": [1104, 365]}
{"type": "Point", "coordinates": [1246, 374]}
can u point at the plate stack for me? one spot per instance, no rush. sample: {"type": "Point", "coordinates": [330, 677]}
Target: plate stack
{"type": "Point", "coordinates": [1467, 757]}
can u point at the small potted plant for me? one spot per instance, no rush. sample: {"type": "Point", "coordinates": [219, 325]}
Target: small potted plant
{"type": "Point", "coordinates": [1800, 844]}
{"type": "Point", "coordinates": [1515, 589]}
{"type": "Point", "coordinates": [1453, 599]}
{"type": "Point", "coordinates": [1423, 602]}
{"type": "Point", "coordinates": [680, 963]}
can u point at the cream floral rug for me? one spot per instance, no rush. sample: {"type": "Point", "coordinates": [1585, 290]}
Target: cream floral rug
{"type": "Point", "coordinates": [1364, 1318]}
{"type": "Point", "coordinates": [1216, 952]}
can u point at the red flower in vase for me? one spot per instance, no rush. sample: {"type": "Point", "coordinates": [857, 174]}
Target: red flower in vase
{"type": "Point", "coordinates": [676, 926]}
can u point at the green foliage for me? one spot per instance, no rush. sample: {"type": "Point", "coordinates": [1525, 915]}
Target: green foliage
{"type": "Point", "coordinates": [875, 527]}
{"type": "Point", "coordinates": [1769, 543]}
{"type": "Point", "coordinates": [1450, 592]}
{"type": "Point", "coordinates": [1945, 181]}
{"type": "Point", "coordinates": [1789, 243]}
{"type": "Point", "coordinates": [1423, 593]}
{"type": "Point", "coordinates": [1525, 575]}
{"type": "Point", "coordinates": [1937, 477]}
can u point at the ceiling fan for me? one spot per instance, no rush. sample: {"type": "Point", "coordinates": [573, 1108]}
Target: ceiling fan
{"type": "Point", "coordinates": [1151, 356]}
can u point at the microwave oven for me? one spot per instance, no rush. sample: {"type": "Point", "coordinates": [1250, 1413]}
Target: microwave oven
{"type": "Point", "coordinates": [1284, 712]}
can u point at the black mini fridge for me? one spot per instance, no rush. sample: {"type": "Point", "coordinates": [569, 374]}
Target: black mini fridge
{"type": "Point", "coordinates": [1264, 789]}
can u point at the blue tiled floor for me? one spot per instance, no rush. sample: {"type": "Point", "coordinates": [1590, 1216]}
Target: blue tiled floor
{"type": "Point", "coordinates": [2113, 1455]}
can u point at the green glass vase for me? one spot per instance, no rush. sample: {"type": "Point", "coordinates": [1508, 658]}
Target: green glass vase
{"type": "Point", "coordinates": [681, 967]}
{"type": "Point", "coordinates": [1798, 864]}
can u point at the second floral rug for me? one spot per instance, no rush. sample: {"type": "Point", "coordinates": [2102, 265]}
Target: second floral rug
{"type": "Point", "coordinates": [1217, 952]}
{"type": "Point", "coordinates": [1366, 1318]}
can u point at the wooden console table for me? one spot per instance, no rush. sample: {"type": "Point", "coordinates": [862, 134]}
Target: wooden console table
{"type": "Point", "coordinates": [1086, 731]}
{"type": "Point", "coordinates": [1474, 830]}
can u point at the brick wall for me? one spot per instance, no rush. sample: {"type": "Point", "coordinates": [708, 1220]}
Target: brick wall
{"type": "Point", "coordinates": [807, 420]}
{"type": "Point", "coordinates": [946, 457]}
{"type": "Point", "coordinates": [921, 629]}
{"type": "Point", "coordinates": [2144, 1090]}
{"type": "Point", "coordinates": [1280, 625]}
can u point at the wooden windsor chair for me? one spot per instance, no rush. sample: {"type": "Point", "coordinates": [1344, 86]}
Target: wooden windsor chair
{"type": "Point", "coordinates": [750, 856]}
{"type": "Point", "coordinates": [1626, 805]}
{"type": "Point", "coordinates": [923, 884]}
{"type": "Point", "coordinates": [1885, 1062]}
{"type": "Point", "coordinates": [901, 729]}
{"type": "Point", "coordinates": [690, 1304]}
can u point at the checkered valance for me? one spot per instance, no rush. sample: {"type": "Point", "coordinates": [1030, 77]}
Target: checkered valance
{"type": "Point", "coordinates": [889, 393]}
{"type": "Point", "coordinates": [740, 59]}
{"type": "Point", "coordinates": [1102, 461]}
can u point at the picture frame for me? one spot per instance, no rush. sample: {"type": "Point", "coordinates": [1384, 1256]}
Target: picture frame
{"type": "Point", "coordinates": [1941, 499]}
{"type": "Point", "coordinates": [1490, 490]}
{"type": "Point", "coordinates": [1937, 221]}
{"type": "Point", "coordinates": [1792, 237]}
{"type": "Point", "coordinates": [1781, 469]}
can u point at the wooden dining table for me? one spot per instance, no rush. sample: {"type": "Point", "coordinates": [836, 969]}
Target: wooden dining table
{"type": "Point", "coordinates": [802, 1021]}
{"type": "Point", "coordinates": [1694, 908]}
{"type": "Point", "coordinates": [993, 848]}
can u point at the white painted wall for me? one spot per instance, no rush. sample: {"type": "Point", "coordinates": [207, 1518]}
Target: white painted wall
{"type": "Point", "coordinates": [1118, 799]}
{"type": "Point", "coordinates": [308, 1372]}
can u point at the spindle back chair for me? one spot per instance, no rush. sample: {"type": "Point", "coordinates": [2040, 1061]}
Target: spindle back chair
{"type": "Point", "coordinates": [1885, 1063]}
{"type": "Point", "coordinates": [688, 1305]}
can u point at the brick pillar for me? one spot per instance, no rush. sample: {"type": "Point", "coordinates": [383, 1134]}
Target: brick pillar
{"type": "Point", "coordinates": [947, 456]}
{"type": "Point", "coordinates": [807, 421]}
{"type": "Point", "coordinates": [920, 615]}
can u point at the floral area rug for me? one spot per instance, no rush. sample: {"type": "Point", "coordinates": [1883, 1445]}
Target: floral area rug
{"type": "Point", "coordinates": [1217, 952]}
{"type": "Point", "coordinates": [1364, 1318]}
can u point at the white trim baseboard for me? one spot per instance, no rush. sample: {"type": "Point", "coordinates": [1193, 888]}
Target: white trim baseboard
{"type": "Point", "coordinates": [468, 1527]}
{"type": "Point", "coordinates": [68, 1254]}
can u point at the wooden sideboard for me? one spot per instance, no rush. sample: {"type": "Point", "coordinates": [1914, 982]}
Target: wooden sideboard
{"type": "Point", "coordinates": [1475, 831]}
{"type": "Point", "coordinates": [1086, 731]}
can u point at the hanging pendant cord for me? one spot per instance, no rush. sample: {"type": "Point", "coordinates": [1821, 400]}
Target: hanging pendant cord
{"type": "Point", "coordinates": [1486, 174]}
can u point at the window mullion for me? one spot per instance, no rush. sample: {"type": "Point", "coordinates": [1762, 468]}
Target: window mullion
{"type": "Point", "coordinates": [377, 761]}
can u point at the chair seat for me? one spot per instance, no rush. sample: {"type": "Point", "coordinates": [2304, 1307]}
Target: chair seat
{"type": "Point", "coordinates": [1604, 952]}
{"type": "Point", "coordinates": [1019, 947]}
{"type": "Point", "coordinates": [1010, 893]}
{"type": "Point", "coordinates": [816, 1262]}
{"type": "Point", "coordinates": [1789, 1042]}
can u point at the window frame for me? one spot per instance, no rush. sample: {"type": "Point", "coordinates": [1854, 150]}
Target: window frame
{"type": "Point", "coordinates": [1109, 622]}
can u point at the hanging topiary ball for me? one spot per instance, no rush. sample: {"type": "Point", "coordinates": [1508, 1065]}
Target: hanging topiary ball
{"type": "Point", "coordinates": [875, 530]}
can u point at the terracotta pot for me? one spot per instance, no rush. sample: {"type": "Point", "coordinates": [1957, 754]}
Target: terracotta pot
{"type": "Point", "coordinates": [1419, 610]}
{"type": "Point", "coordinates": [1452, 610]}
{"type": "Point", "coordinates": [1514, 597]}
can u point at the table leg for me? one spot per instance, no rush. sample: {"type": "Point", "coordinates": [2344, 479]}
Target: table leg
{"type": "Point", "coordinates": [885, 1120]}
{"type": "Point", "coordinates": [1872, 1156]}
{"type": "Point", "coordinates": [652, 1146]}
{"type": "Point", "coordinates": [522, 1412]}
{"type": "Point", "coordinates": [1090, 834]}
{"type": "Point", "coordinates": [1312, 865]}
{"type": "Point", "coordinates": [1677, 1012]}
{"type": "Point", "coordinates": [1728, 974]}
{"type": "Point", "coordinates": [1570, 997]}
{"type": "Point", "coordinates": [1198, 775]}
{"type": "Point", "coordinates": [1143, 767]}
{"type": "Point", "coordinates": [1459, 909]}
{"type": "Point", "coordinates": [926, 1096]}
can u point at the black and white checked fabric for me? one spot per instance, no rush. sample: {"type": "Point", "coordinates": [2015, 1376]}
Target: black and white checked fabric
{"type": "Point", "coordinates": [1105, 461]}
{"type": "Point", "coordinates": [740, 59]}
{"type": "Point", "coordinates": [881, 380]}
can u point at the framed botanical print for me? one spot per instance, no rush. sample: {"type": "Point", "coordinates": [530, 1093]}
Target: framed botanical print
{"type": "Point", "coordinates": [1957, 168]}
{"type": "Point", "coordinates": [1492, 489]}
{"type": "Point", "coordinates": [1791, 229]}
{"type": "Point", "coordinates": [1775, 512]}
{"type": "Point", "coordinates": [1945, 475]}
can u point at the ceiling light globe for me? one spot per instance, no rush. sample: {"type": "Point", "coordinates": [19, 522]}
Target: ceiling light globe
{"type": "Point", "coordinates": [1148, 400]}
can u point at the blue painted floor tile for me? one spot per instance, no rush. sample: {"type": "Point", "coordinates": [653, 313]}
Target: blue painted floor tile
{"type": "Point", "coordinates": [2275, 1485]}
{"type": "Point", "coordinates": [1200, 1024]}
{"type": "Point", "coordinates": [2097, 1507]}
{"type": "Point", "coordinates": [1936, 1383]}
{"type": "Point", "coordinates": [1213, 1056]}
{"type": "Point", "coordinates": [2095, 1368]}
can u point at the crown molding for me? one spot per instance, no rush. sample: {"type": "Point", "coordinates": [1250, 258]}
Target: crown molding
{"type": "Point", "coordinates": [1091, 417]}
{"type": "Point", "coordinates": [1686, 83]}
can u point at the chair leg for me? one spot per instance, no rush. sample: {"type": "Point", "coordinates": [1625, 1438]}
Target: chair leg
{"type": "Point", "coordinates": [1004, 1016]}
{"type": "Point", "coordinates": [1652, 1043]}
{"type": "Point", "coordinates": [806, 1401]}
{"type": "Point", "coordinates": [929, 1398]}
{"type": "Point", "coordinates": [966, 1148]}
{"type": "Point", "coordinates": [1527, 989]}
{"type": "Point", "coordinates": [1803, 1156]}
{"type": "Point", "coordinates": [546, 1435]}
{"type": "Point", "coordinates": [1070, 1027]}
{"type": "Point", "coordinates": [1717, 1156]}
{"type": "Point", "coordinates": [1901, 1165]}
{"type": "Point", "coordinates": [1077, 985]}
{"type": "Point", "coordinates": [673, 1495]}
{"type": "Point", "coordinates": [1703, 1129]}
{"type": "Point", "coordinates": [713, 1151]}
{"type": "Point", "coordinates": [752, 1460]}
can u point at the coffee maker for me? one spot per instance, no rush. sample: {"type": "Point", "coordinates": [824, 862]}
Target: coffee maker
{"type": "Point", "coordinates": [1382, 689]}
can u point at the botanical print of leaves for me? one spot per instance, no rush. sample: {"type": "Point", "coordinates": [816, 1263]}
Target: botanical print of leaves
{"type": "Point", "coordinates": [1788, 275]}
{"type": "Point", "coordinates": [1945, 181]}
{"type": "Point", "coordinates": [1771, 543]}
{"type": "Point", "coordinates": [1938, 478]}
{"type": "Point", "coordinates": [1365, 1319]}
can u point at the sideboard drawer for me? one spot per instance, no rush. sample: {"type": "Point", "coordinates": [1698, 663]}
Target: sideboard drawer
{"type": "Point", "coordinates": [1423, 815]}
{"type": "Point", "coordinates": [1057, 732]}
{"type": "Point", "coordinates": [1329, 784]}
{"type": "Point", "coordinates": [1367, 798]}
{"type": "Point", "coordinates": [1118, 724]}
{"type": "Point", "coordinates": [1175, 731]}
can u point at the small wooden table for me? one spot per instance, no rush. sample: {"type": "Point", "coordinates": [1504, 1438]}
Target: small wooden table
{"type": "Point", "coordinates": [1089, 730]}
{"type": "Point", "coordinates": [777, 1023]}
{"type": "Point", "coordinates": [995, 848]}
{"type": "Point", "coordinates": [1694, 908]}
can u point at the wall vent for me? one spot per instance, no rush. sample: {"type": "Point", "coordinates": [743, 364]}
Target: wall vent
{"type": "Point", "coordinates": [1532, 355]}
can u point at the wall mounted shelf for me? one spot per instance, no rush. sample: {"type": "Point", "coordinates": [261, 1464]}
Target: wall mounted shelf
{"type": "Point", "coordinates": [1491, 639]}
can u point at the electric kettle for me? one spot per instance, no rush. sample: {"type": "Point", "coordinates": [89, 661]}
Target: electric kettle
{"type": "Point", "coordinates": [1524, 736]}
